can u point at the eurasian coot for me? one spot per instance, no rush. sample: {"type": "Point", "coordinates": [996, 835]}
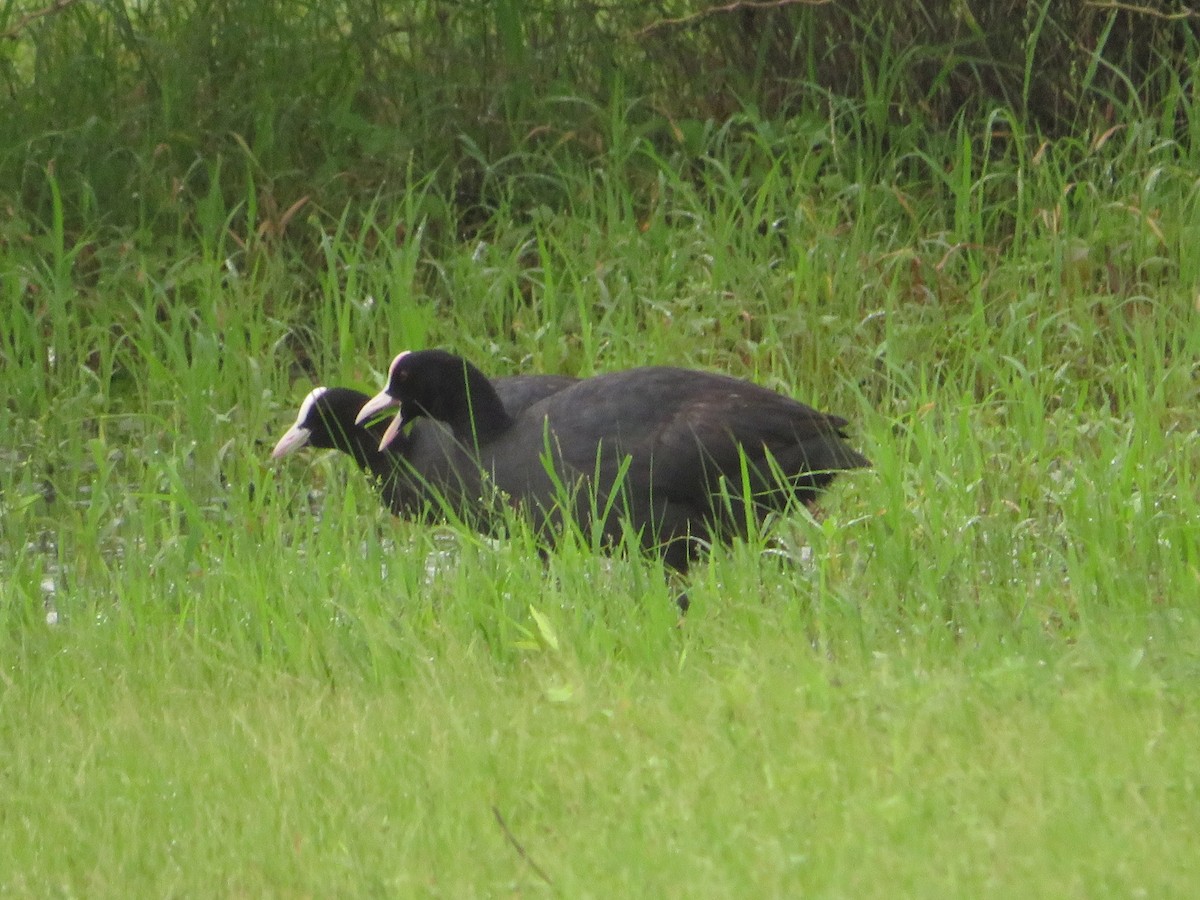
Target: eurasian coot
{"type": "Point", "coordinates": [420, 473]}
{"type": "Point", "coordinates": [683, 456]}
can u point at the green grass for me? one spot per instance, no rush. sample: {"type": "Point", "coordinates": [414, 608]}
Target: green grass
{"type": "Point", "coordinates": [737, 760]}
{"type": "Point", "coordinates": [974, 674]}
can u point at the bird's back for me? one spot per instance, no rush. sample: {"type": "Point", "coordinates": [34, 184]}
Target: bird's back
{"type": "Point", "coordinates": [680, 447]}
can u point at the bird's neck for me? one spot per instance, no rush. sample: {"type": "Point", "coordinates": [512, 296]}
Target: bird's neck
{"type": "Point", "coordinates": [364, 450]}
{"type": "Point", "coordinates": [482, 417]}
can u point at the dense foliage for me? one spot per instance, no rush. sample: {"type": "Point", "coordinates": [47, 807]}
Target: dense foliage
{"type": "Point", "coordinates": [149, 115]}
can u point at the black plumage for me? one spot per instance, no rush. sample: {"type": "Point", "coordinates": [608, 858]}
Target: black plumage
{"type": "Point", "coordinates": [684, 457]}
{"type": "Point", "coordinates": [421, 473]}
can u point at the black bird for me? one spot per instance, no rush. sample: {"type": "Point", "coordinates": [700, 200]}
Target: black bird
{"type": "Point", "coordinates": [684, 457]}
{"type": "Point", "coordinates": [419, 473]}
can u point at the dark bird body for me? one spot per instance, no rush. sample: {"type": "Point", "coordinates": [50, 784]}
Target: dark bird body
{"type": "Point", "coordinates": [420, 474]}
{"type": "Point", "coordinates": [684, 457]}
